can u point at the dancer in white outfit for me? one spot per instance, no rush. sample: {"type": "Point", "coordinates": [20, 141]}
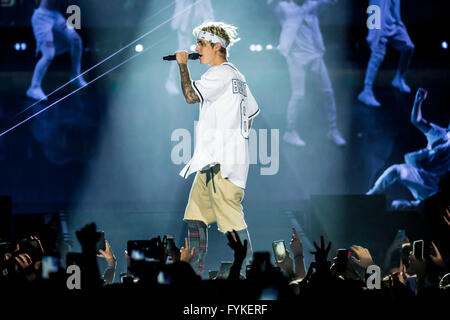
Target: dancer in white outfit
{"type": "Point", "coordinates": [302, 45]}
{"type": "Point", "coordinates": [53, 37]}
{"type": "Point", "coordinates": [392, 31]}
{"type": "Point", "coordinates": [422, 169]}
{"type": "Point", "coordinates": [183, 23]}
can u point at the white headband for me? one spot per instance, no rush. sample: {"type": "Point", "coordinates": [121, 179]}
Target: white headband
{"type": "Point", "coordinates": [208, 36]}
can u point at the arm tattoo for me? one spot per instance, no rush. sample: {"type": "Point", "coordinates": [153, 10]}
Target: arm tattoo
{"type": "Point", "coordinates": [186, 85]}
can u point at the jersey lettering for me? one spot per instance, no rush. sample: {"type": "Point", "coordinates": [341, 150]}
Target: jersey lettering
{"type": "Point", "coordinates": [244, 118]}
{"type": "Point", "coordinates": [239, 87]}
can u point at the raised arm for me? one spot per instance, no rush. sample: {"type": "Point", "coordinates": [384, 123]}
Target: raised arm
{"type": "Point", "coordinates": [416, 114]}
{"type": "Point", "coordinates": [297, 250]}
{"type": "Point", "coordinates": [186, 83]}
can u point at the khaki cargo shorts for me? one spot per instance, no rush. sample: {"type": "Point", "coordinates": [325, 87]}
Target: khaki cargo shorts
{"type": "Point", "coordinates": [216, 199]}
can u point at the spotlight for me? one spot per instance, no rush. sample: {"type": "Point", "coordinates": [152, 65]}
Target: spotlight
{"type": "Point", "coordinates": [258, 47]}
{"type": "Point", "coordinates": [252, 47]}
{"type": "Point", "coordinates": [23, 46]}
{"type": "Point", "coordinates": [139, 48]}
{"type": "Point", "coordinates": [17, 46]}
{"type": "Point", "coordinates": [444, 45]}
{"type": "Point", "coordinates": [193, 47]}
{"type": "Point", "coordinates": [269, 47]}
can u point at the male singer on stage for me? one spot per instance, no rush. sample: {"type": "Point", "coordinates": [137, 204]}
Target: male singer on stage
{"type": "Point", "coordinates": [221, 158]}
{"type": "Point", "coordinates": [53, 37]}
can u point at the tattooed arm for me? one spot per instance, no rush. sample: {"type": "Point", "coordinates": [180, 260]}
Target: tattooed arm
{"type": "Point", "coordinates": [186, 83]}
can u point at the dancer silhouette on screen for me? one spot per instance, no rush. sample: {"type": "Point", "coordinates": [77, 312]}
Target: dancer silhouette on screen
{"type": "Point", "coordinates": [393, 32]}
{"type": "Point", "coordinates": [423, 169]}
{"type": "Point", "coordinates": [53, 37]}
{"type": "Point", "coordinates": [302, 45]}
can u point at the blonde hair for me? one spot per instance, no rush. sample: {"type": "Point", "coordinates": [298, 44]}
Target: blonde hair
{"type": "Point", "coordinates": [225, 31]}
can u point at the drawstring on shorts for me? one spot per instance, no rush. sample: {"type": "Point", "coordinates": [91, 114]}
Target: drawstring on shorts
{"type": "Point", "coordinates": [212, 178]}
{"type": "Point", "coordinates": [210, 175]}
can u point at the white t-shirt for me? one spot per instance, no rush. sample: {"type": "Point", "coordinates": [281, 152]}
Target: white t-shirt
{"type": "Point", "coordinates": [221, 135]}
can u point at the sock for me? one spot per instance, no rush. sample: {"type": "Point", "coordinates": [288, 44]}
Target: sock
{"type": "Point", "coordinates": [198, 239]}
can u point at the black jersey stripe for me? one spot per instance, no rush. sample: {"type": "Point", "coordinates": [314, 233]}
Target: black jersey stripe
{"type": "Point", "coordinates": [226, 64]}
{"type": "Point", "coordinates": [198, 91]}
{"type": "Point", "coordinates": [257, 111]}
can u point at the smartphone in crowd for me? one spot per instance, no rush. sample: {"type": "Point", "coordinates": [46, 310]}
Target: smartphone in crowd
{"type": "Point", "coordinates": [342, 256]}
{"type": "Point", "coordinates": [101, 245]}
{"type": "Point", "coordinates": [224, 270]}
{"type": "Point", "coordinates": [170, 244]}
{"type": "Point", "coordinates": [418, 249]}
{"type": "Point", "coordinates": [141, 250]}
{"type": "Point", "coordinates": [49, 265]}
{"type": "Point", "coordinates": [279, 250]}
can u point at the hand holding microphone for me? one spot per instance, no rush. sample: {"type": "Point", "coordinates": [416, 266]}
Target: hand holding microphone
{"type": "Point", "coordinates": [182, 57]}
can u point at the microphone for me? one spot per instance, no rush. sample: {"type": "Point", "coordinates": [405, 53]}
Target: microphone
{"type": "Point", "coordinates": [192, 56]}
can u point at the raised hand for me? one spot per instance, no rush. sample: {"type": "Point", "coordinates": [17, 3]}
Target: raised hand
{"type": "Point", "coordinates": [287, 265]}
{"type": "Point", "coordinates": [295, 244]}
{"type": "Point", "coordinates": [421, 94]}
{"type": "Point", "coordinates": [107, 254]}
{"type": "Point", "coordinates": [239, 248]}
{"type": "Point", "coordinates": [364, 259]}
{"type": "Point", "coordinates": [447, 216]}
{"type": "Point", "coordinates": [321, 254]}
{"type": "Point", "coordinates": [39, 242]}
{"type": "Point", "coordinates": [185, 254]}
{"type": "Point", "coordinates": [436, 257]}
{"type": "Point", "coordinates": [24, 260]}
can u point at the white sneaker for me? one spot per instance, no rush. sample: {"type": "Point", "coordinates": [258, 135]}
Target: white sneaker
{"type": "Point", "coordinates": [335, 136]}
{"type": "Point", "coordinates": [36, 94]}
{"type": "Point", "coordinates": [172, 88]}
{"type": "Point", "coordinates": [401, 85]}
{"type": "Point", "coordinates": [293, 138]}
{"type": "Point", "coordinates": [368, 98]}
{"type": "Point", "coordinates": [80, 82]}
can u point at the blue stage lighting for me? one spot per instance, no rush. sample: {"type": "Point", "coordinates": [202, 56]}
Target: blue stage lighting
{"type": "Point", "coordinates": [252, 47]}
{"type": "Point", "coordinates": [444, 45]}
{"type": "Point", "coordinates": [17, 46]}
{"type": "Point", "coordinates": [139, 48]}
{"type": "Point", "coordinates": [23, 46]}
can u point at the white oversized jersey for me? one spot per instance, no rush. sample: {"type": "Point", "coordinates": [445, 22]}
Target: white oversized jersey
{"type": "Point", "coordinates": [221, 134]}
